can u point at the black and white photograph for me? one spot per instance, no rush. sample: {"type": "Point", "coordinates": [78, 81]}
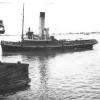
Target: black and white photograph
{"type": "Point", "coordinates": [49, 49]}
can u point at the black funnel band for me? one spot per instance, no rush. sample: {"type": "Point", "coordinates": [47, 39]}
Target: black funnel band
{"type": "Point", "coordinates": [42, 14]}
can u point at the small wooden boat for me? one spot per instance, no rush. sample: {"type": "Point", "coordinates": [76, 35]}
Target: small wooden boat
{"type": "Point", "coordinates": [13, 76]}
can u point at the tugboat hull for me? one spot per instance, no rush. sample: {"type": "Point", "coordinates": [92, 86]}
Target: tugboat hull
{"type": "Point", "coordinates": [12, 48]}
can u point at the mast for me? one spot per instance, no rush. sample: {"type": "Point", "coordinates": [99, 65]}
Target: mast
{"type": "Point", "coordinates": [22, 37]}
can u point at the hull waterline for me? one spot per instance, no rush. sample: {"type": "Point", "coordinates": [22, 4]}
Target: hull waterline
{"type": "Point", "coordinates": [8, 48]}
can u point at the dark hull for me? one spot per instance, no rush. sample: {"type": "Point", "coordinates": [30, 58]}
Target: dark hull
{"type": "Point", "coordinates": [14, 86]}
{"type": "Point", "coordinates": [14, 48]}
{"type": "Point", "coordinates": [13, 76]}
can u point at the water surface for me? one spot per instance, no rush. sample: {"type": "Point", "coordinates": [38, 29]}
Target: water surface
{"type": "Point", "coordinates": [58, 75]}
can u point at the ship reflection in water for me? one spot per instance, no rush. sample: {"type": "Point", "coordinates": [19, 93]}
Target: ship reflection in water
{"type": "Point", "coordinates": [59, 75]}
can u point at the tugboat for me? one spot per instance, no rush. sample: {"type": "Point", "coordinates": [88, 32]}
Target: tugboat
{"type": "Point", "coordinates": [43, 41]}
{"type": "Point", "coordinates": [13, 76]}
{"type": "Point", "coordinates": [2, 29]}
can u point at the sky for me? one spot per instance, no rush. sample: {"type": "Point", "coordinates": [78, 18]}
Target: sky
{"type": "Point", "coordinates": [62, 16]}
